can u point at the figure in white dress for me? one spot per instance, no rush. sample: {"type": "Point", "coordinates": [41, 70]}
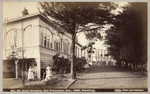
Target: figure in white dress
{"type": "Point", "coordinates": [30, 73]}
{"type": "Point", "coordinates": [107, 63]}
{"type": "Point", "coordinates": [114, 63]}
{"type": "Point", "coordinates": [86, 66]}
{"type": "Point", "coordinates": [48, 73]}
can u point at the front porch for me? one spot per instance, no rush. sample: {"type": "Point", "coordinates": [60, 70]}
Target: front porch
{"type": "Point", "coordinates": [12, 69]}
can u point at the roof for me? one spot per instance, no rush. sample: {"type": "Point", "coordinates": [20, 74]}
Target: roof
{"type": "Point", "coordinates": [23, 17]}
{"type": "Point", "coordinates": [54, 24]}
{"type": "Point", "coordinates": [33, 15]}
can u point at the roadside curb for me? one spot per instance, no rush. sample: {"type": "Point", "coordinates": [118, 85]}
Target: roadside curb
{"type": "Point", "coordinates": [84, 72]}
{"type": "Point", "coordinates": [71, 83]}
{"type": "Point", "coordinates": [77, 78]}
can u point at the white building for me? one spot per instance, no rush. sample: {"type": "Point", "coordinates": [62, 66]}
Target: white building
{"type": "Point", "coordinates": [35, 38]}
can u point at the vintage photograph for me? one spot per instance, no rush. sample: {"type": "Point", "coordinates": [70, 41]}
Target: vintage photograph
{"type": "Point", "coordinates": [75, 47]}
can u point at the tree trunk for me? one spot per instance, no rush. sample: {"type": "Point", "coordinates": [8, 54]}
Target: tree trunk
{"type": "Point", "coordinates": [73, 75]}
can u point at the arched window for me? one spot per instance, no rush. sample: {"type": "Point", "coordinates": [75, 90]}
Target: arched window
{"type": "Point", "coordinates": [57, 43]}
{"type": "Point", "coordinates": [66, 46]}
{"type": "Point", "coordinates": [46, 38]}
{"type": "Point", "coordinates": [43, 36]}
{"type": "Point", "coordinates": [49, 39]}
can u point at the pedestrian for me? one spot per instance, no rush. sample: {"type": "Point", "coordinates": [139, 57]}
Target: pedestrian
{"type": "Point", "coordinates": [86, 66]}
{"type": "Point", "coordinates": [35, 71]}
{"type": "Point", "coordinates": [30, 74]}
{"type": "Point", "coordinates": [114, 63]}
{"type": "Point", "coordinates": [48, 73]}
{"type": "Point", "coordinates": [107, 63]}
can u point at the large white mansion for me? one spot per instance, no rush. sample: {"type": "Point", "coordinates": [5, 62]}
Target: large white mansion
{"type": "Point", "coordinates": [36, 39]}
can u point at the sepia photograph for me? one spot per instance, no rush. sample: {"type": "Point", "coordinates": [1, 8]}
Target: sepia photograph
{"type": "Point", "coordinates": [75, 47]}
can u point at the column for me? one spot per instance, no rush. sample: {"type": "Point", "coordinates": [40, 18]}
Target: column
{"type": "Point", "coordinates": [38, 67]}
{"type": "Point", "coordinates": [16, 64]}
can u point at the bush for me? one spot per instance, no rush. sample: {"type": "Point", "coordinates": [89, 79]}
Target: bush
{"type": "Point", "coordinates": [79, 63]}
{"type": "Point", "coordinates": [62, 65]}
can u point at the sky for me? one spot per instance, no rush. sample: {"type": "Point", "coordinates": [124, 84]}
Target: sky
{"type": "Point", "coordinates": [14, 9]}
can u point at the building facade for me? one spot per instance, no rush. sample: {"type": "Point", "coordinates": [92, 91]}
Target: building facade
{"type": "Point", "coordinates": [102, 55]}
{"type": "Point", "coordinates": [36, 39]}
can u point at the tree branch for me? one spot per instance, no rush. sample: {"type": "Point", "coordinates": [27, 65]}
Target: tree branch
{"type": "Point", "coordinates": [89, 28]}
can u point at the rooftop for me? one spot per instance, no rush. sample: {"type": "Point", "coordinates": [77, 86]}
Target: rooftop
{"type": "Point", "coordinates": [53, 23]}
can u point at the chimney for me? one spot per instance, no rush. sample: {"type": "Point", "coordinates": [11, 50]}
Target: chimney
{"type": "Point", "coordinates": [25, 12]}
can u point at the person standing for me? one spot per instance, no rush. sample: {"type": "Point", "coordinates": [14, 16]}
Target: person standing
{"type": "Point", "coordinates": [35, 71]}
{"type": "Point", "coordinates": [48, 72]}
{"type": "Point", "coordinates": [30, 74]}
{"type": "Point", "coordinates": [107, 63]}
{"type": "Point", "coordinates": [114, 63]}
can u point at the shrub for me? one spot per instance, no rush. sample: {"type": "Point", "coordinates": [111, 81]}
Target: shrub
{"type": "Point", "coordinates": [62, 65]}
{"type": "Point", "coordinates": [79, 63]}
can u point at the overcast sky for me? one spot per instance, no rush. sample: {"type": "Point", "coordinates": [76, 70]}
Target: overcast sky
{"type": "Point", "coordinates": [14, 9]}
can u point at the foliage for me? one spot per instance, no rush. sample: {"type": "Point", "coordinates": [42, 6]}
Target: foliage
{"type": "Point", "coordinates": [13, 56]}
{"type": "Point", "coordinates": [77, 14]}
{"type": "Point", "coordinates": [89, 47]}
{"type": "Point", "coordinates": [62, 65]}
{"type": "Point", "coordinates": [127, 37]}
{"type": "Point", "coordinates": [75, 17]}
{"type": "Point", "coordinates": [79, 63]}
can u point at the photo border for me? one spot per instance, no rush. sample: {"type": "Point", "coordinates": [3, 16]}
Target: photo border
{"type": "Point", "coordinates": [1, 45]}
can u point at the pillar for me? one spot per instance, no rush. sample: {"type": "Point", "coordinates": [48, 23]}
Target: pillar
{"type": "Point", "coordinates": [16, 64]}
{"type": "Point", "coordinates": [38, 67]}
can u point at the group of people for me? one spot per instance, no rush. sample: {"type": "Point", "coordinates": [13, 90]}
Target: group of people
{"type": "Point", "coordinates": [32, 73]}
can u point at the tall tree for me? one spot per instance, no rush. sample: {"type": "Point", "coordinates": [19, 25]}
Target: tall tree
{"type": "Point", "coordinates": [76, 16]}
{"type": "Point", "coordinates": [128, 35]}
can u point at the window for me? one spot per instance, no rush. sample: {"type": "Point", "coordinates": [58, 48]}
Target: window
{"type": "Point", "coordinates": [57, 43]}
{"type": "Point", "coordinates": [45, 40]}
{"type": "Point", "coordinates": [66, 46]}
{"type": "Point", "coordinates": [56, 46]}
{"type": "Point", "coordinates": [51, 43]}
{"type": "Point", "coordinates": [59, 46]}
{"type": "Point", "coordinates": [49, 39]}
{"type": "Point", "coordinates": [48, 43]}
{"type": "Point", "coordinates": [76, 50]}
{"type": "Point", "coordinates": [41, 38]}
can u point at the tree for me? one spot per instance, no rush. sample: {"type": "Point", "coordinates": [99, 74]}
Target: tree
{"type": "Point", "coordinates": [127, 37]}
{"type": "Point", "coordinates": [76, 16]}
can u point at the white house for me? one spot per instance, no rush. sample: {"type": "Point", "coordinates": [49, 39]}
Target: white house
{"type": "Point", "coordinates": [36, 40]}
